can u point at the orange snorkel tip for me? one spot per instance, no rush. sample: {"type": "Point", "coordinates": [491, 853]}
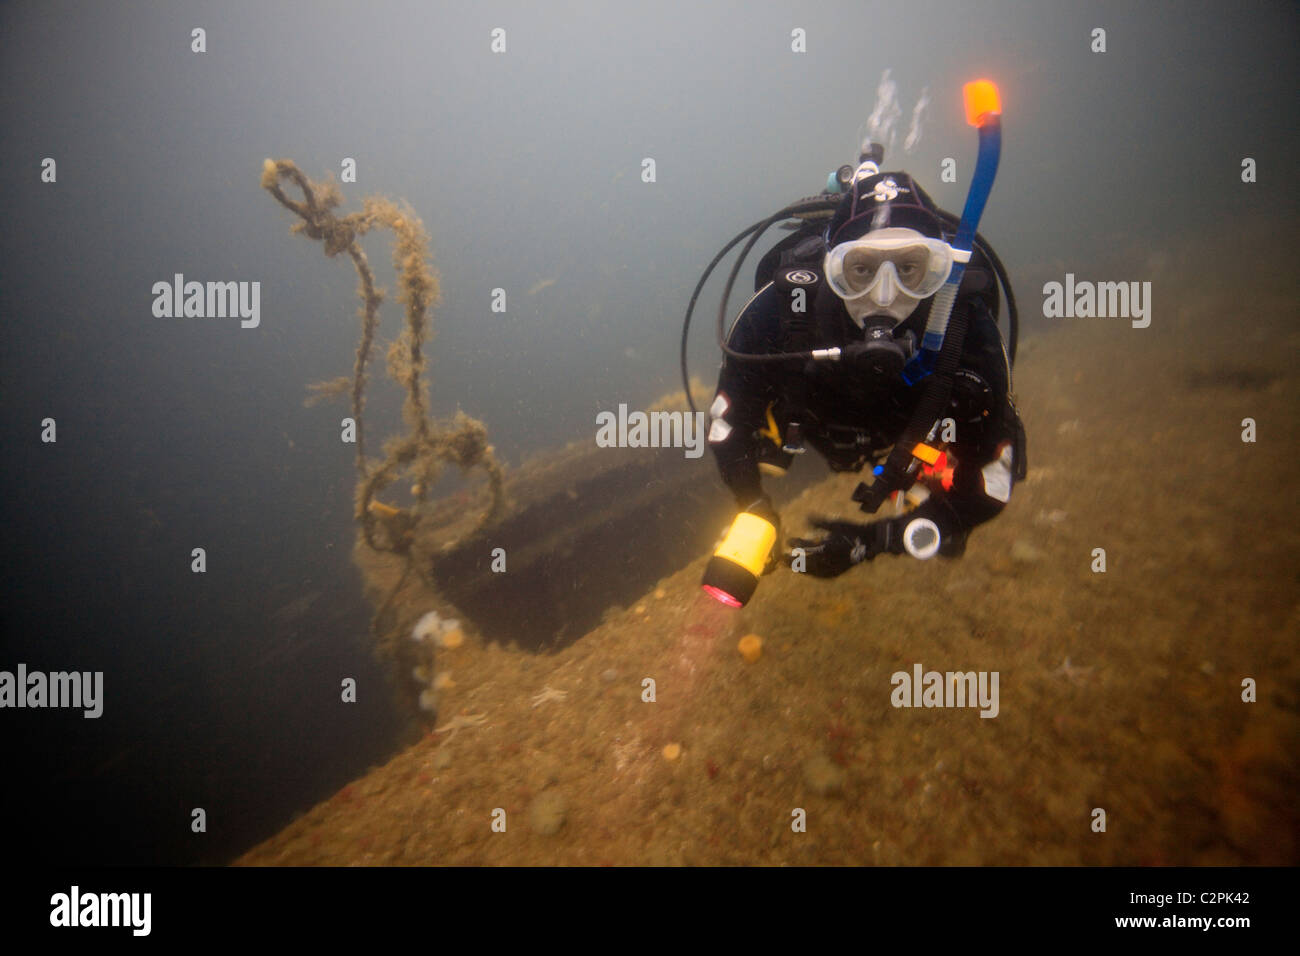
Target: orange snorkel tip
{"type": "Point", "coordinates": [982, 101]}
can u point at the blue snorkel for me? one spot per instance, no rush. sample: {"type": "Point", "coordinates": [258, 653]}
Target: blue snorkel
{"type": "Point", "coordinates": [984, 111]}
{"type": "Point", "coordinates": [939, 352]}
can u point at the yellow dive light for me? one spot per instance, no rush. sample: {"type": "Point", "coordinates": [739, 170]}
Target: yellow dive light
{"type": "Point", "coordinates": [733, 571]}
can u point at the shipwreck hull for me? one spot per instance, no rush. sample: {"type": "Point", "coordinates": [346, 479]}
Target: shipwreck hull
{"type": "Point", "coordinates": [595, 531]}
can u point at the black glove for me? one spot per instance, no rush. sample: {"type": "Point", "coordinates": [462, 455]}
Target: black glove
{"type": "Point", "coordinates": [846, 543]}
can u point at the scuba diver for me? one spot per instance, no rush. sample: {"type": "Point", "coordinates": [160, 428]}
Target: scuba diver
{"type": "Point", "coordinates": [873, 339]}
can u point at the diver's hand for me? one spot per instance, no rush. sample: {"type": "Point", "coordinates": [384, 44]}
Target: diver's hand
{"type": "Point", "coordinates": [846, 543]}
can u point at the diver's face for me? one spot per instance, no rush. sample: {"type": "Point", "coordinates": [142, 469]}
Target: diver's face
{"type": "Point", "coordinates": [874, 277]}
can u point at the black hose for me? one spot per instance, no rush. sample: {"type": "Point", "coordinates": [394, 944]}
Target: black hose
{"type": "Point", "coordinates": [726, 294]}
{"type": "Point", "coordinates": [699, 287]}
{"type": "Point", "coordinates": [806, 205]}
{"type": "Point", "coordinates": [1013, 314]}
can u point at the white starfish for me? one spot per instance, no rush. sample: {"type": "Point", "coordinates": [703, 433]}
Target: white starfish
{"type": "Point", "coordinates": [459, 722]}
{"type": "Point", "coordinates": [548, 694]}
{"type": "Point", "coordinates": [1071, 673]}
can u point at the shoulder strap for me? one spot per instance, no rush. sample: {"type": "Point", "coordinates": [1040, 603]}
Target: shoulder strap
{"type": "Point", "coordinates": [797, 289]}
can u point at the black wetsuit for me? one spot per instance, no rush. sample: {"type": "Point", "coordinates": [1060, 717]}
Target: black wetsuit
{"type": "Point", "coordinates": [852, 416]}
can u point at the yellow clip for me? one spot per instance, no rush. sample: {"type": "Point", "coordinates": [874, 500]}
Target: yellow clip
{"type": "Point", "coordinates": [772, 431]}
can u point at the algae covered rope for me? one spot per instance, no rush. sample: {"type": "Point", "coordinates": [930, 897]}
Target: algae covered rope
{"type": "Point", "coordinates": [339, 235]}
{"type": "Point", "coordinates": [428, 447]}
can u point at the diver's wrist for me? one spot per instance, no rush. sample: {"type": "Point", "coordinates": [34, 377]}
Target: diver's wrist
{"type": "Point", "coordinates": [930, 529]}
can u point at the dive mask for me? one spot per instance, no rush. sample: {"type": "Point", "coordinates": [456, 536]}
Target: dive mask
{"type": "Point", "coordinates": [888, 271]}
